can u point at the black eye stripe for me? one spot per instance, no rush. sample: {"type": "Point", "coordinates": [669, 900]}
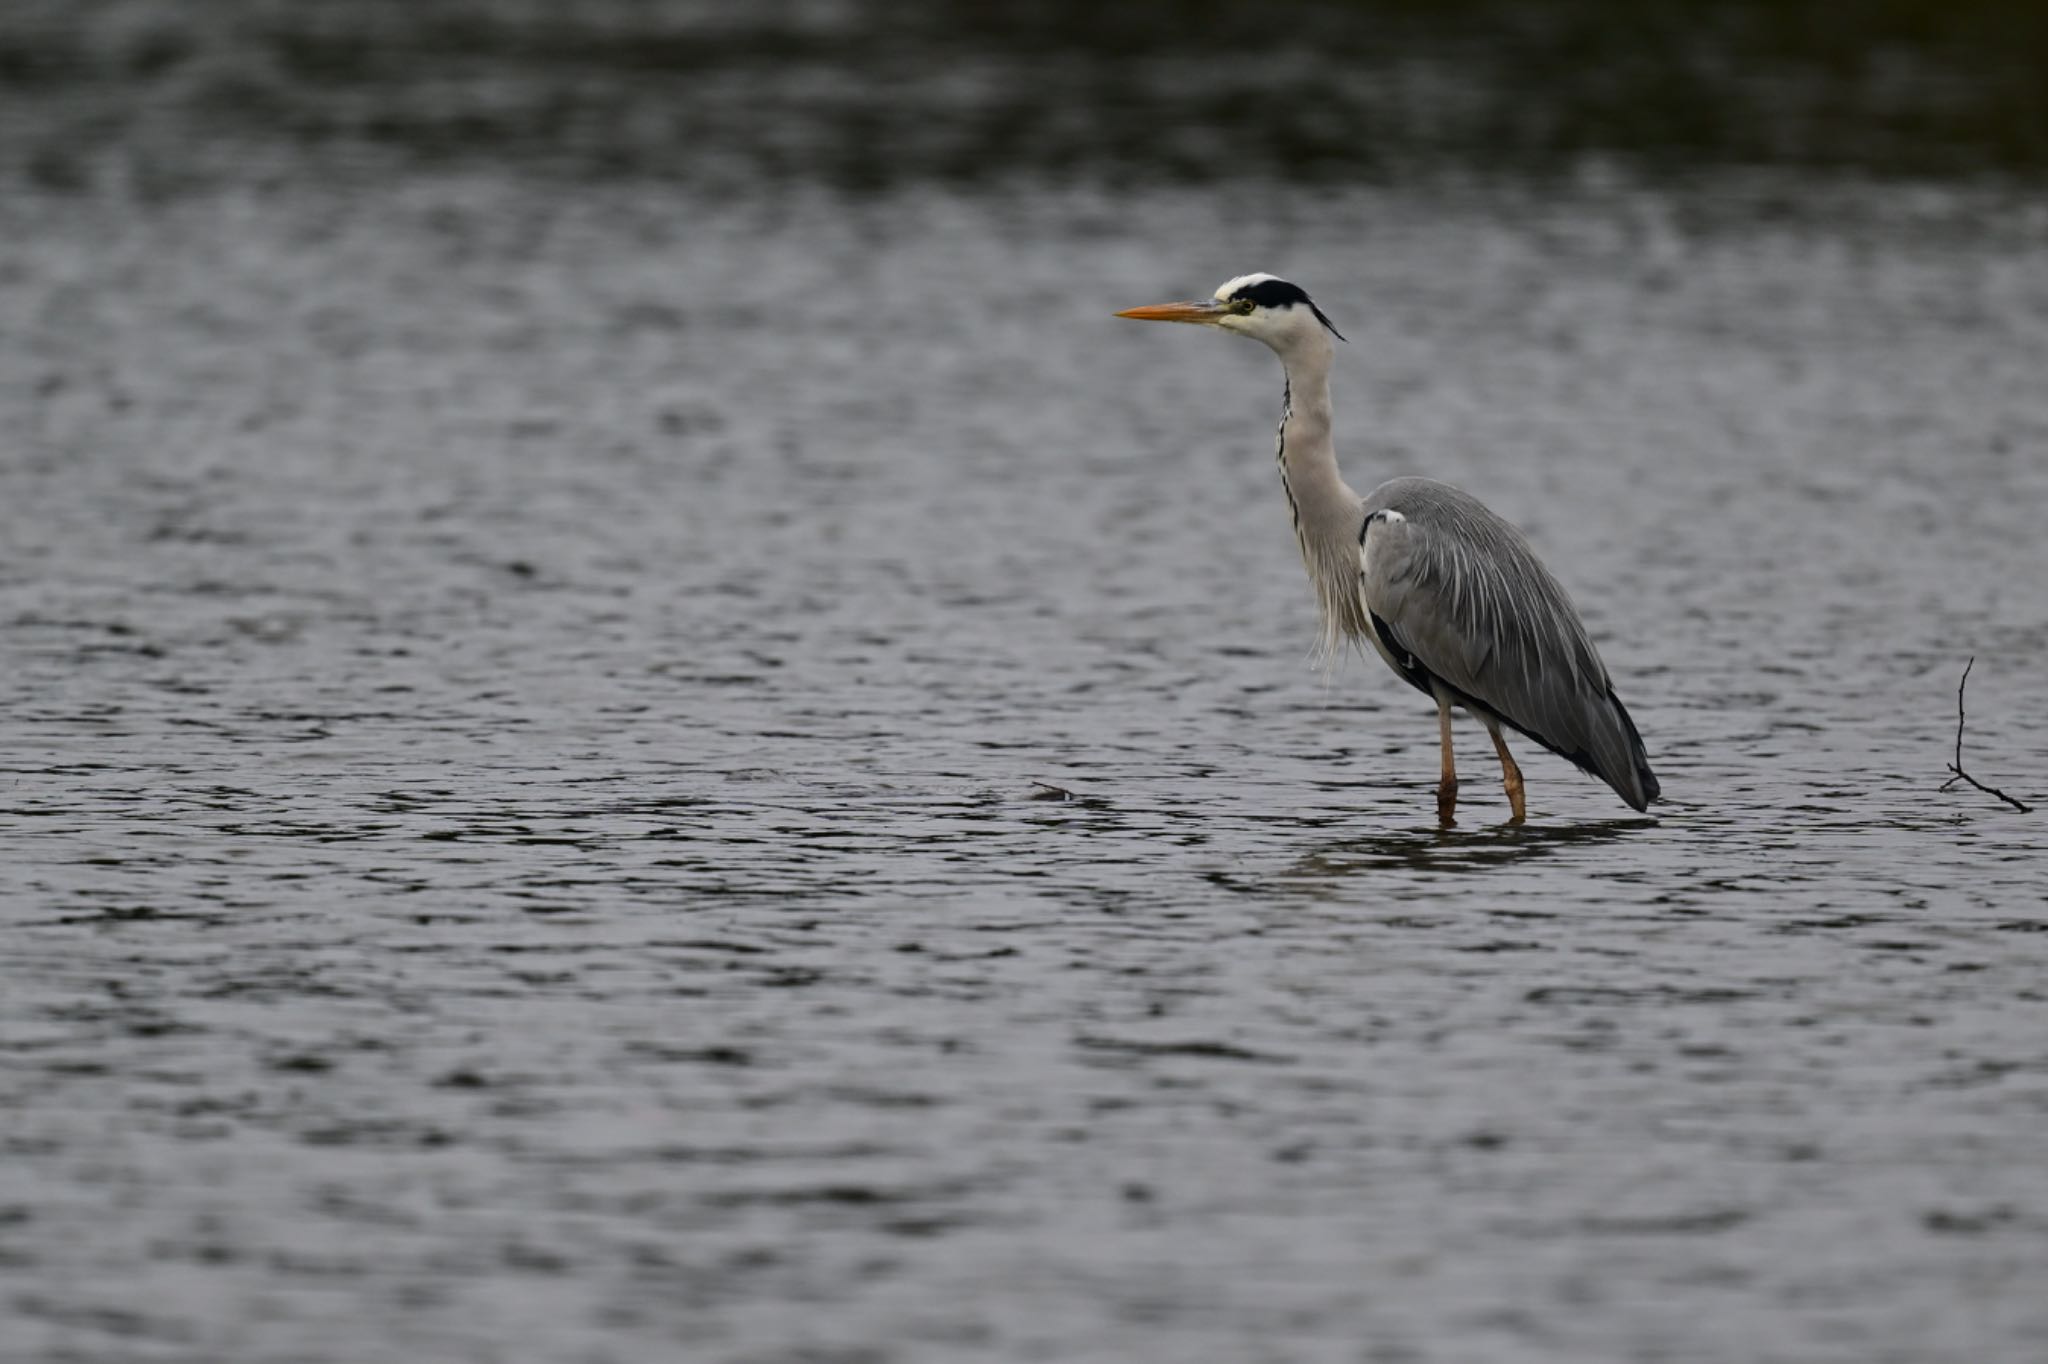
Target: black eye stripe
{"type": "Point", "coordinates": [1270, 293]}
{"type": "Point", "coordinates": [1279, 293]}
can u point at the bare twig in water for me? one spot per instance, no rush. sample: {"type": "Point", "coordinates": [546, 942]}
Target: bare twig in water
{"type": "Point", "coordinates": [1957, 766]}
{"type": "Point", "coordinates": [1047, 791]}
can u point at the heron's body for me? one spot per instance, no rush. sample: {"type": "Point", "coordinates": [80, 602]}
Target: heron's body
{"type": "Point", "coordinates": [1444, 590]}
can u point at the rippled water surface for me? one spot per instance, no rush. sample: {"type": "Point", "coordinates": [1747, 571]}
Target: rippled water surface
{"type": "Point", "coordinates": [526, 707]}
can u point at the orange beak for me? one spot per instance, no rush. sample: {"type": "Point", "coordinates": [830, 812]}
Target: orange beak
{"type": "Point", "coordinates": [1176, 312]}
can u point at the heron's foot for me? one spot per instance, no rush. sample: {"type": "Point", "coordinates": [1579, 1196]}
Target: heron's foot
{"type": "Point", "coordinates": [1447, 802]}
{"type": "Point", "coordinates": [1514, 790]}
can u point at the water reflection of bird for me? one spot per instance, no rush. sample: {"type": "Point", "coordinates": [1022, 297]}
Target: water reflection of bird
{"type": "Point", "coordinates": [1448, 593]}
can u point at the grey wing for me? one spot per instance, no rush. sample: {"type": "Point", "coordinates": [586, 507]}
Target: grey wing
{"type": "Point", "coordinates": [1456, 596]}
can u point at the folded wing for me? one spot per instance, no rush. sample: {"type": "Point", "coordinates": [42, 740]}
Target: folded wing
{"type": "Point", "coordinates": [1457, 597]}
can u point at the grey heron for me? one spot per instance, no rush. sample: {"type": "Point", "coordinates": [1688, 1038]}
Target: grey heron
{"type": "Point", "coordinates": [1447, 592]}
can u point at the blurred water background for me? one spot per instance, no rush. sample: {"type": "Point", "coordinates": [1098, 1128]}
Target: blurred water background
{"type": "Point", "coordinates": [555, 561]}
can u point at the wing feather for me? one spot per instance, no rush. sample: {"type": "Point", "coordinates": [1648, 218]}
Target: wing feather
{"type": "Point", "coordinates": [1458, 589]}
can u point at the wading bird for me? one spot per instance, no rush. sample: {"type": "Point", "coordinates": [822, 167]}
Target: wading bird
{"type": "Point", "coordinates": [1449, 594]}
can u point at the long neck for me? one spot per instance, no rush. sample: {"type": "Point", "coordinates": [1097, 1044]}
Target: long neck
{"type": "Point", "coordinates": [1327, 513]}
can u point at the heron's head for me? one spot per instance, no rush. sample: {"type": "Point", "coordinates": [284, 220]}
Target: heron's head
{"type": "Point", "coordinates": [1263, 307]}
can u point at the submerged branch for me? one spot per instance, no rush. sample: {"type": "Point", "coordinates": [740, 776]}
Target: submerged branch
{"type": "Point", "coordinates": [1957, 766]}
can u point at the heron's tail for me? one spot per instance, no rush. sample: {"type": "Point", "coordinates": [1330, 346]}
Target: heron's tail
{"type": "Point", "coordinates": [1645, 781]}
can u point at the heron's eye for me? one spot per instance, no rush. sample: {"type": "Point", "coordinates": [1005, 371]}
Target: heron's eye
{"type": "Point", "coordinates": [1242, 306]}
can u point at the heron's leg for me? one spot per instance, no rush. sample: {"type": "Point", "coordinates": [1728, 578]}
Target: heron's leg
{"type": "Point", "coordinates": [1447, 786]}
{"type": "Point", "coordinates": [1510, 773]}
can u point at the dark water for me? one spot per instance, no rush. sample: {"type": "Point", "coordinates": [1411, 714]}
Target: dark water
{"type": "Point", "coordinates": [524, 699]}
{"type": "Point", "coordinates": [860, 94]}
